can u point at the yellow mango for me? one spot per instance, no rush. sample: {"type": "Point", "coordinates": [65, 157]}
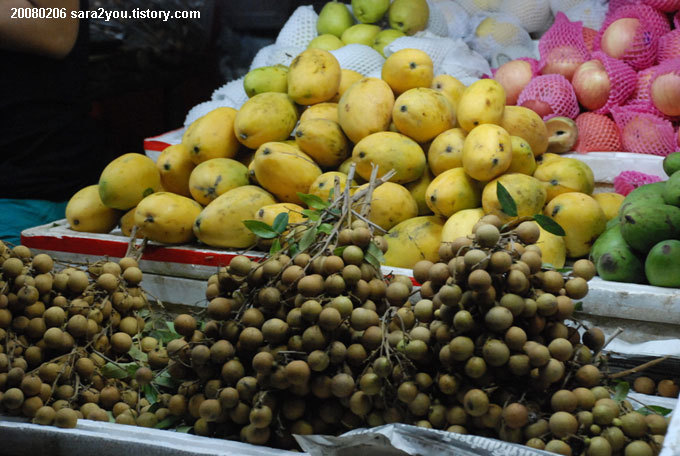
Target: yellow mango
{"type": "Point", "coordinates": [482, 103]}
{"type": "Point", "coordinates": [284, 170]}
{"type": "Point", "coordinates": [389, 150]}
{"type": "Point", "coordinates": [407, 69]}
{"type": "Point", "coordinates": [422, 114]}
{"type": "Point", "coordinates": [525, 123]}
{"type": "Point", "coordinates": [610, 203]}
{"type": "Point", "coordinates": [452, 191]}
{"type": "Point", "coordinates": [365, 108]}
{"type": "Point", "coordinates": [128, 179]}
{"type": "Point", "coordinates": [565, 175]}
{"type": "Point", "coordinates": [127, 222]}
{"type": "Point", "coordinates": [528, 193]}
{"type": "Point", "coordinates": [323, 184]}
{"type": "Point", "coordinates": [175, 166]}
{"type": "Point", "coordinates": [487, 152]}
{"type": "Point", "coordinates": [212, 136]}
{"type": "Point", "coordinates": [214, 177]}
{"type": "Point", "coordinates": [220, 223]}
{"type": "Point", "coordinates": [85, 212]}
{"type": "Point", "coordinates": [523, 160]}
{"type": "Point", "coordinates": [413, 240]}
{"type": "Point", "coordinates": [553, 249]}
{"type": "Point", "coordinates": [418, 189]}
{"type": "Point", "coordinates": [460, 224]}
{"type": "Point", "coordinates": [323, 140]}
{"type": "Point", "coordinates": [582, 219]}
{"type": "Point", "coordinates": [268, 213]}
{"type": "Point", "coordinates": [547, 158]}
{"type": "Point", "coordinates": [325, 110]}
{"type": "Point", "coordinates": [313, 77]}
{"type": "Point", "coordinates": [266, 117]}
{"type": "Point", "coordinates": [451, 87]}
{"type": "Point", "coordinates": [391, 204]}
{"type": "Point", "coordinates": [446, 151]}
{"type": "Point", "coordinates": [167, 217]}
{"type": "Point", "coordinates": [347, 78]}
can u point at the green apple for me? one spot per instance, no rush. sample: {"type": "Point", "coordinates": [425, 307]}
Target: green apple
{"type": "Point", "coordinates": [409, 16]}
{"type": "Point", "coordinates": [360, 34]}
{"type": "Point", "coordinates": [334, 18]}
{"type": "Point", "coordinates": [370, 11]}
{"type": "Point", "coordinates": [384, 38]}
{"type": "Point", "coordinates": [326, 41]}
{"type": "Point", "coordinates": [266, 79]}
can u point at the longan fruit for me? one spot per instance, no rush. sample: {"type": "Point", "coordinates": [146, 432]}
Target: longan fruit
{"type": "Point", "coordinates": [585, 269]}
{"type": "Point", "coordinates": [185, 325]}
{"type": "Point", "coordinates": [66, 418]}
{"type": "Point", "coordinates": [644, 385]}
{"type": "Point", "coordinates": [528, 232]}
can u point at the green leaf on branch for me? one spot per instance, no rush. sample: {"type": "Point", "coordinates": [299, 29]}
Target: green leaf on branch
{"type": "Point", "coordinates": [166, 380]}
{"type": "Point", "coordinates": [261, 229]}
{"type": "Point", "coordinates": [276, 246]}
{"type": "Point", "coordinates": [549, 225]}
{"type": "Point", "coordinates": [578, 306]}
{"type": "Point", "coordinates": [151, 395]}
{"type": "Point", "coordinates": [137, 354]}
{"type": "Point", "coordinates": [326, 228]}
{"type": "Point", "coordinates": [338, 250]}
{"type": "Point", "coordinates": [183, 429]}
{"type": "Point", "coordinates": [508, 205]}
{"type": "Point", "coordinates": [372, 260]}
{"type": "Point", "coordinates": [280, 222]}
{"type": "Point", "coordinates": [311, 214]}
{"type": "Point", "coordinates": [119, 371]}
{"type": "Point", "coordinates": [375, 251]}
{"type": "Point", "coordinates": [313, 201]}
{"type": "Point", "coordinates": [167, 423]}
{"type": "Point", "coordinates": [654, 410]}
{"type": "Point", "coordinates": [307, 239]}
{"type": "Point", "coordinates": [293, 249]}
{"type": "Point", "coordinates": [621, 391]}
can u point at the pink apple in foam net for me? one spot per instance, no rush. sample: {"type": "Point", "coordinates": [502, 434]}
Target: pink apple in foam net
{"type": "Point", "coordinates": [563, 60]}
{"type": "Point", "coordinates": [541, 108]}
{"type": "Point", "coordinates": [591, 85]}
{"type": "Point", "coordinates": [666, 94]}
{"type": "Point", "coordinates": [619, 37]}
{"type": "Point", "coordinates": [513, 76]}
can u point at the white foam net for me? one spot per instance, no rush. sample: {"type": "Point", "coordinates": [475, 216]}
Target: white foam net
{"type": "Point", "coordinates": [533, 15]}
{"type": "Point", "coordinates": [474, 7]}
{"type": "Point", "coordinates": [505, 36]}
{"type": "Point", "coordinates": [436, 22]}
{"type": "Point", "coordinates": [563, 5]}
{"type": "Point", "coordinates": [204, 108]}
{"type": "Point", "coordinates": [300, 28]}
{"type": "Point", "coordinates": [463, 63]}
{"type": "Point", "coordinates": [456, 17]}
{"type": "Point", "coordinates": [590, 12]}
{"type": "Point", "coordinates": [360, 58]}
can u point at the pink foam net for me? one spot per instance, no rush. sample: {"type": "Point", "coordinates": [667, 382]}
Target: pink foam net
{"type": "Point", "coordinates": [653, 25]}
{"type": "Point", "coordinates": [597, 133]}
{"type": "Point", "coordinates": [622, 81]}
{"type": "Point", "coordinates": [642, 96]}
{"type": "Point", "coordinates": [535, 65]}
{"type": "Point", "coordinates": [589, 36]}
{"type": "Point", "coordinates": [676, 20]}
{"type": "Point", "coordinates": [556, 91]}
{"type": "Point", "coordinates": [669, 46]}
{"type": "Point", "coordinates": [563, 43]}
{"type": "Point", "coordinates": [667, 6]}
{"type": "Point", "coordinates": [616, 4]}
{"type": "Point", "coordinates": [628, 181]}
{"type": "Point", "coordinates": [644, 132]}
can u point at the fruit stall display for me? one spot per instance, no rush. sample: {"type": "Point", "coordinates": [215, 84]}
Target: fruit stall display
{"type": "Point", "coordinates": [386, 246]}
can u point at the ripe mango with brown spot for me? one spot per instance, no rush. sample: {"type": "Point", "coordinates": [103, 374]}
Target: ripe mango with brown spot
{"type": "Point", "coordinates": [525, 123]}
{"type": "Point", "coordinates": [528, 193]}
{"type": "Point", "coordinates": [390, 204]}
{"type": "Point", "coordinates": [266, 117]}
{"type": "Point", "coordinates": [481, 103]}
{"type": "Point", "coordinates": [175, 166]}
{"type": "Point", "coordinates": [389, 150]}
{"type": "Point", "coordinates": [461, 223]}
{"type": "Point", "coordinates": [347, 78]}
{"type": "Point", "coordinates": [565, 175]}
{"type": "Point", "coordinates": [85, 212]}
{"type": "Point", "coordinates": [418, 189]}
{"type": "Point", "coordinates": [553, 248]}
{"type": "Point", "coordinates": [451, 87]}
{"type": "Point", "coordinates": [365, 108]}
{"type": "Point", "coordinates": [313, 77]}
{"type": "Point", "coordinates": [128, 179]}
{"type": "Point", "coordinates": [325, 110]}
{"type": "Point", "coordinates": [523, 160]}
{"type": "Point", "coordinates": [220, 223]}
{"type": "Point", "coordinates": [212, 136]}
{"type": "Point", "coordinates": [446, 151]}
{"type": "Point", "coordinates": [267, 214]}
{"type": "Point", "coordinates": [407, 69]}
{"type": "Point", "coordinates": [166, 217]}
{"type": "Point", "coordinates": [422, 113]}
{"type": "Point", "coordinates": [413, 240]}
{"type": "Point", "coordinates": [284, 170]}
{"type": "Point", "coordinates": [127, 222]}
{"type": "Point", "coordinates": [487, 152]}
{"type": "Point", "coordinates": [582, 219]}
{"type": "Point", "coordinates": [452, 191]}
{"type": "Point", "coordinates": [324, 141]}
{"type": "Point", "coordinates": [214, 177]}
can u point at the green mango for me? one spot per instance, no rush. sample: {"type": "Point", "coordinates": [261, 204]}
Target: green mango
{"type": "Point", "coordinates": [334, 18]}
{"type": "Point", "coordinates": [643, 226]}
{"type": "Point", "coordinates": [613, 222]}
{"type": "Point", "coordinates": [621, 265]}
{"type": "Point", "coordinates": [662, 266]}
{"type": "Point", "coordinates": [647, 194]}
{"type": "Point", "coordinates": [266, 79]}
{"type": "Point", "coordinates": [608, 241]}
{"type": "Point", "coordinates": [671, 191]}
{"type": "Point", "coordinates": [671, 163]}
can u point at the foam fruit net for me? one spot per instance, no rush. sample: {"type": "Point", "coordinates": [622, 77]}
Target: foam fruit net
{"type": "Point", "coordinates": [644, 132]}
{"type": "Point", "coordinates": [563, 42]}
{"type": "Point", "coordinates": [653, 25]}
{"type": "Point", "coordinates": [669, 46]}
{"type": "Point", "coordinates": [622, 81]}
{"type": "Point", "coordinates": [597, 133]}
{"type": "Point", "coordinates": [667, 6]}
{"type": "Point", "coordinates": [628, 181]}
{"type": "Point", "coordinates": [642, 96]}
{"type": "Point", "coordinates": [556, 91]}
{"type": "Point", "coordinates": [590, 12]}
{"type": "Point", "coordinates": [533, 15]}
{"type": "Point", "coordinates": [589, 36]}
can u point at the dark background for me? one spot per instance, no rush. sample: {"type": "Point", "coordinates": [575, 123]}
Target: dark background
{"type": "Point", "coordinates": [145, 75]}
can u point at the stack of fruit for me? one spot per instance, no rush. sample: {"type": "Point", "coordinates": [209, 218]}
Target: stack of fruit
{"type": "Point", "coordinates": [642, 243]}
{"type": "Point", "coordinates": [625, 75]}
{"type": "Point", "coordinates": [471, 138]}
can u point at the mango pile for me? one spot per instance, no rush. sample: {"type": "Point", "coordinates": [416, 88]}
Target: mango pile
{"type": "Point", "coordinates": [642, 243]}
{"type": "Point", "coordinates": [448, 144]}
